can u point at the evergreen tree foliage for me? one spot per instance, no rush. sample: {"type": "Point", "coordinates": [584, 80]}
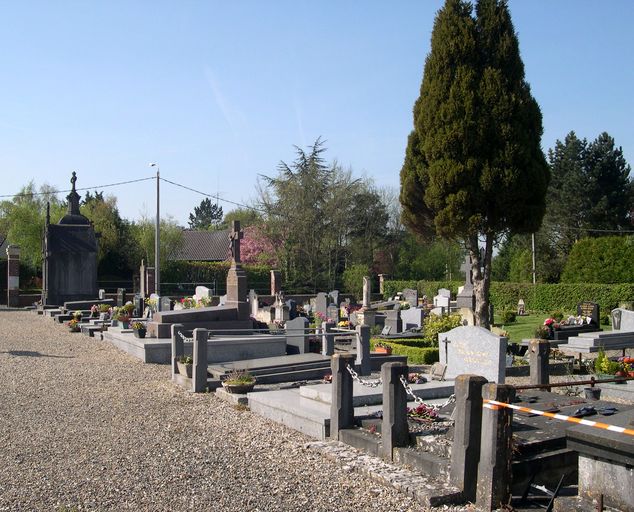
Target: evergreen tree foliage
{"type": "Point", "coordinates": [473, 168]}
{"type": "Point", "coordinates": [205, 217]}
{"type": "Point", "coordinates": [601, 260]}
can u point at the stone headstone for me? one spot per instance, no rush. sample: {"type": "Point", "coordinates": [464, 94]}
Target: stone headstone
{"type": "Point", "coordinates": [223, 300]}
{"type": "Point", "coordinates": [521, 307]}
{"type": "Point", "coordinates": [296, 339]}
{"type": "Point", "coordinates": [121, 296]}
{"type": "Point", "coordinates": [334, 297]}
{"type": "Point", "coordinates": [412, 318]}
{"type": "Point", "coordinates": [473, 350]}
{"type": "Point", "coordinates": [393, 321]}
{"type": "Point", "coordinates": [386, 330]}
{"type": "Point", "coordinates": [202, 292]}
{"type": "Point", "coordinates": [321, 304]}
{"type": "Point", "coordinates": [253, 303]}
{"type": "Point", "coordinates": [292, 308]}
{"type": "Point", "coordinates": [411, 296]}
{"type": "Point", "coordinates": [589, 309]}
{"type": "Point", "coordinates": [139, 302]}
{"type": "Point", "coordinates": [441, 301]}
{"type": "Point", "coordinates": [281, 313]}
{"type": "Point", "coordinates": [438, 311]}
{"type": "Point", "coordinates": [166, 303]}
{"type": "Point", "coordinates": [466, 297]}
{"type": "Point", "coordinates": [622, 320]}
{"type": "Point", "coordinates": [102, 294]}
{"type": "Point", "coordinates": [333, 313]}
{"type": "Point", "coordinates": [444, 292]}
{"type": "Point", "coordinates": [367, 291]}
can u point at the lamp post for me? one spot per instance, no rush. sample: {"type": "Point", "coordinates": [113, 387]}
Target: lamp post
{"type": "Point", "coordinates": [157, 264]}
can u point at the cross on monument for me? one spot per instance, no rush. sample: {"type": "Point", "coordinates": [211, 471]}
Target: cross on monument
{"type": "Point", "coordinates": [236, 235]}
{"type": "Point", "coordinates": [466, 268]}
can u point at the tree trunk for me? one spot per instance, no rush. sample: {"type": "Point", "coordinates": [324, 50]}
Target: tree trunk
{"type": "Point", "coordinates": [481, 272]}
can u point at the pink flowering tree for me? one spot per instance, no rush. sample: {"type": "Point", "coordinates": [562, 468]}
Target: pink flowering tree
{"type": "Point", "coordinates": [257, 248]}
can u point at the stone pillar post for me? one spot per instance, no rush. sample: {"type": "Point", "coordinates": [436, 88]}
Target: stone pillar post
{"type": "Point", "coordinates": [199, 370]}
{"type": "Point", "coordinates": [539, 351]}
{"type": "Point", "coordinates": [276, 282]}
{"type": "Point", "coordinates": [149, 281]}
{"type": "Point", "coordinates": [394, 428]}
{"type": "Point", "coordinates": [13, 276]}
{"type": "Point", "coordinates": [381, 284]}
{"type": "Point", "coordinates": [341, 407]}
{"type": "Point", "coordinates": [465, 452]}
{"type": "Point", "coordinates": [178, 346]}
{"type": "Point", "coordinates": [143, 280]}
{"type": "Point", "coordinates": [494, 469]}
{"type": "Point", "coordinates": [367, 291]}
{"type": "Point", "coordinates": [363, 349]}
{"type": "Point", "coordinates": [327, 339]}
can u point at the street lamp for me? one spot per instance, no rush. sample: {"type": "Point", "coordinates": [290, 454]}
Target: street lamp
{"type": "Point", "coordinates": [157, 263]}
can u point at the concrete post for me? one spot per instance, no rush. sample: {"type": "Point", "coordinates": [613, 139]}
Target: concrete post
{"type": "Point", "coordinates": [394, 429]}
{"type": "Point", "coordinates": [276, 282]}
{"type": "Point", "coordinates": [199, 370]}
{"type": "Point", "coordinates": [494, 469]}
{"type": "Point", "coordinates": [341, 408]}
{"type": "Point", "coordinates": [142, 280]}
{"type": "Point", "coordinates": [13, 276]}
{"type": "Point", "coordinates": [465, 452]}
{"type": "Point", "coordinates": [363, 349]}
{"type": "Point", "coordinates": [539, 351]}
{"type": "Point", "coordinates": [327, 339]}
{"type": "Point", "coordinates": [381, 284]}
{"type": "Point", "coordinates": [178, 346]}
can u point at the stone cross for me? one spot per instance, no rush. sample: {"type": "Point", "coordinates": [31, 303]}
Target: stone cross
{"type": "Point", "coordinates": [466, 268]}
{"type": "Point", "coordinates": [235, 236]}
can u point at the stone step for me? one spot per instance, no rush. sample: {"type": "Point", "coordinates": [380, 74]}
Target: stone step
{"type": "Point", "coordinates": [604, 341]}
{"type": "Point", "coordinates": [606, 334]}
{"type": "Point", "coordinates": [293, 375]}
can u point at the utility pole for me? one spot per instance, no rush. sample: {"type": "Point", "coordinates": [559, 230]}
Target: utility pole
{"type": "Point", "coordinates": [533, 244]}
{"type": "Point", "coordinates": [157, 237]}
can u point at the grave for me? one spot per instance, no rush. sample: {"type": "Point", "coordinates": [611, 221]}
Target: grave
{"type": "Point", "coordinates": [393, 321]}
{"type": "Point", "coordinates": [585, 310]}
{"type": "Point", "coordinates": [321, 304]}
{"type": "Point", "coordinates": [296, 340]}
{"type": "Point", "coordinates": [234, 315]}
{"type": "Point", "coordinates": [411, 297]}
{"type": "Point", "coordinates": [412, 318]}
{"type": "Point", "coordinates": [473, 350]}
{"type": "Point", "coordinates": [69, 267]}
{"type": "Point", "coordinates": [466, 297]}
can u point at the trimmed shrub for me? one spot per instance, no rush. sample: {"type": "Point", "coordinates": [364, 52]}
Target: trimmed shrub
{"type": "Point", "coordinates": [433, 325]}
{"type": "Point", "coordinates": [353, 279]}
{"type": "Point", "coordinates": [508, 316]}
{"type": "Point", "coordinates": [415, 355]}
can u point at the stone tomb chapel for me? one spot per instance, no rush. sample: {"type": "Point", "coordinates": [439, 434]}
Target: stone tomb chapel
{"type": "Point", "coordinates": [69, 268]}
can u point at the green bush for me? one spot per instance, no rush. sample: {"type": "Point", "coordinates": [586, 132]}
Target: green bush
{"type": "Point", "coordinates": [419, 342]}
{"type": "Point", "coordinates": [415, 355]}
{"type": "Point", "coordinates": [508, 316]}
{"type": "Point", "coordinates": [353, 279]}
{"type": "Point", "coordinates": [539, 297]}
{"type": "Point", "coordinates": [606, 259]}
{"type": "Point", "coordinates": [557, 315]}
{"type": "Point", "coordinates": [434, 324]}
{"type": "Point", "coordinates": [258, 276]}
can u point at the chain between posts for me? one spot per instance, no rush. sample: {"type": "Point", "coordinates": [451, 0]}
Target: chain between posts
{"type": "Point", "coordinates": [367, 383]}
{"type": "Point", "coordinates": [419, 400]}
{"type": "Point", "coordinates": [180, 333]}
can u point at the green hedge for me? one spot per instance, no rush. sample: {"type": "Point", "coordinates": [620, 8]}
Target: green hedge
{"type": "Point", "coordinates": [415, 355]}
{"type": "Point", "coordinates": [539, 297]}
{"type": "Point", "coordinates": [258, 276]}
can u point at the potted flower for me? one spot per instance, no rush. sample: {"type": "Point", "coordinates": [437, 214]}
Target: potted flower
{"type": "Point", "coordinates": [94, 311]}
{"type": "Point", "coordinates": [139, 329]}
{"type": "Point", "coordinates": [542, 332]}
{"type": "Point", "coordinates": [383, 348]}
{"type": "Point", "coordinates": [184, 365]}
{"type": "Point", "coordinates": [73, 325]}
{"type": "Point", "coordinates": [239, 381]}
{"type": "Point", "coordinates": [188, 302]}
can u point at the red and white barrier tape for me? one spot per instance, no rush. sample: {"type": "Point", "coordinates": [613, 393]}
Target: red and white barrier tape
{"type": "Point", "coordinates": [493, 404]}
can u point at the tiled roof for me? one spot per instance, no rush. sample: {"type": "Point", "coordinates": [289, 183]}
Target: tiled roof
{"type": "Point", "coordinates": [204, 246]}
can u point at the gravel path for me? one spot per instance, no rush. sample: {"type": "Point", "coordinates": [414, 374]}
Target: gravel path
{"type": "Point", "coordinates": [86, 427]}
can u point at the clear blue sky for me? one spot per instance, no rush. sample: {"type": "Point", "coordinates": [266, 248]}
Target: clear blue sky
{"type": "Point", "coordinates": [218, 92]}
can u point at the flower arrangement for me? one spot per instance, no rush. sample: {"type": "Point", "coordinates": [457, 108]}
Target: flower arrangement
{"type": "Point", "coordinates": [94, 310]}
{"type": "Point", "coordinates": [542, 332]}
{"type": "Point", "coordinates": [137, 325]}
{"type": "Point", "coordinates": [73, 325]}
{"type": "Point", "coordinates": [203, 302]}
{"type": "Point", "coordinates": [186, 359]}
{"type": "Point", "coordinates": [151, 303]}
{"type": "Point", "coordinates": [77, 315]}
{"type": "Point", "coordinates": [320, 317]}
{"type": "Point", "coordinates": [188, 302]}
{"type": "Point", "coordinates": [104, 308]}
{"type": "Point", "coordinates": [344, 324]}
{"type": "Point", "coordinates": [422, 413]}
{"type": "Point", "coordinates": [239, 378]}
{"type": "Point", "coordinates": [416, 378]}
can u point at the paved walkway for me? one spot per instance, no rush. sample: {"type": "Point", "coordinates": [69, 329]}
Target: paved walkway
{"type": "Point", "coordinates": [86, 427]}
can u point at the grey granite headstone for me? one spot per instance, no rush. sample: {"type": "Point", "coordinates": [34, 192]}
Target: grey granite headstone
{"type": "Point", "coordinates": [411, 296]}
{"type": "Point", "coordinates": [393, 321]}
{"type": "Point", "coordinates": [102, 294]}
{"type": "Point", "coordinates": [296, 339]}
{"type": "Point", "coordinates": [473, 350]}
{"type": "Point", "coordinates": [334, 297]}
{"type": "Point", "coordinates": [333, 313]}
{"type": "Point", "coordinates": [443, 292]}
{"type": "Point", "coordinates": [321, 303]}
{"type": "Point", "coordinates": [166, 304]}
{"type": "Point", "coordinates": [412, 318]}
{"type": "Point", "coordinates": [441, 301]}
{"type": "Point", "coordinates": [202, 292]}
{"type": "Point", "coordinates": [622, 320]}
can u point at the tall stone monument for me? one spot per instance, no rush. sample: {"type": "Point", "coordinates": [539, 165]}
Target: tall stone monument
{"type": "Point", "coordinates": [69, 268]}
{"type": "Point", "coordinates": [237, 277]}
{"type": "Point", "coordinates": [466, 298]}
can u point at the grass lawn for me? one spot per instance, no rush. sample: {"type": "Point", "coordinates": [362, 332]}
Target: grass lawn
{"type": "Point", "coordinates": [523, 327]}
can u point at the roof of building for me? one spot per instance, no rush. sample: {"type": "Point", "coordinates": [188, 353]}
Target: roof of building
{"type": "Point", "coordinates": [204, 246]}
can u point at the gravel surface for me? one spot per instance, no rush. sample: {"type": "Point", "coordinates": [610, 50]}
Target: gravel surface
{"type": "Point", "coordinates": [86, 427]}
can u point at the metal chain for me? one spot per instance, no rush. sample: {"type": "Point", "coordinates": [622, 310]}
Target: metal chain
{"type": "Point", "coordinates": [419, 400]}
{"type": "Point", "coordinates": [367, 383]}
{"type": "Point", "coordinates": [180, 333]}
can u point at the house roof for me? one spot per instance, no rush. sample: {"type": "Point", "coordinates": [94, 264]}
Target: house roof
{"type": "Point", "coordinates": [203, 246]}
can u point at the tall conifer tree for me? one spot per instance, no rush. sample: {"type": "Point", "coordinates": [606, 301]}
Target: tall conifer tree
{"type": "Point", "coordinates": [474, 169]}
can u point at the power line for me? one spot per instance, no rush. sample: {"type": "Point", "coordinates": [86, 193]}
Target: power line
{"type": "Point", "coordinates": [213, 196]}
{"type": "Point", "coordinates": [30, 194]}
{"type": "Point", "coordinates": [559, 226]}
